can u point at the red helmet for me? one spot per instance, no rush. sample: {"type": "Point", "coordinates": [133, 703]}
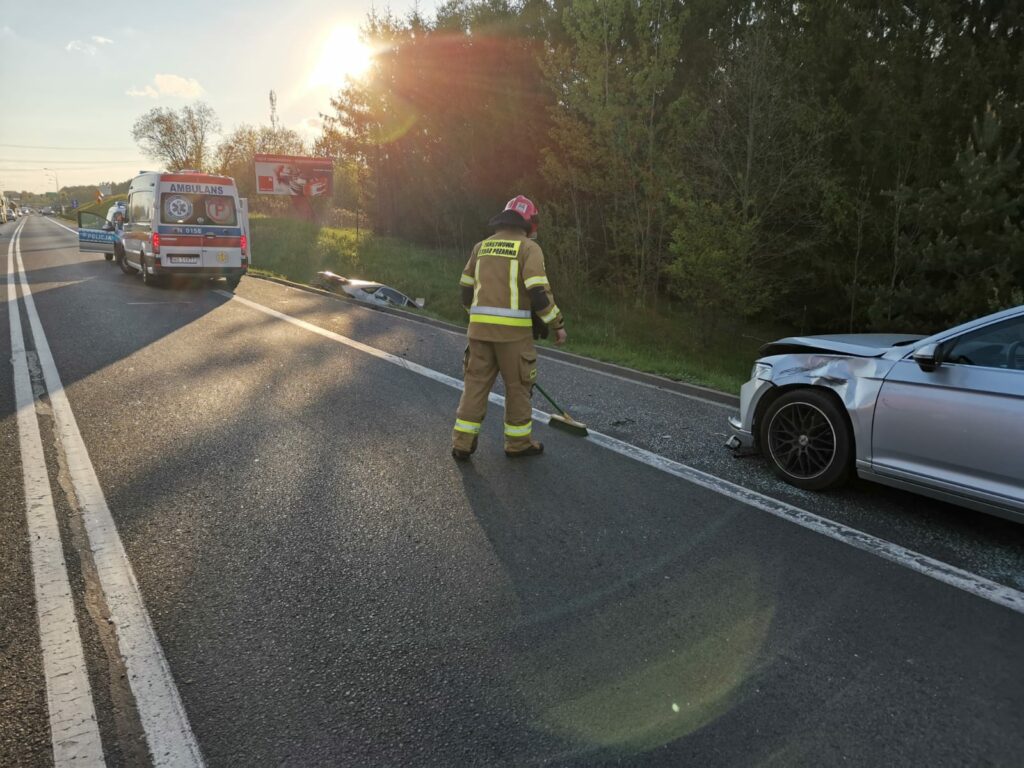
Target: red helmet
{"type": "Point", "coordinates": [525, 208]}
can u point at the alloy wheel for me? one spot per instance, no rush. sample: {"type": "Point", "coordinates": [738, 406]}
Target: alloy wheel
{"type": "Point", "coordinates": [802, 440]}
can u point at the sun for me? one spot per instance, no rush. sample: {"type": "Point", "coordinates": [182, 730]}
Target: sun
{"type": "Point", "coordinates": [343, 56]}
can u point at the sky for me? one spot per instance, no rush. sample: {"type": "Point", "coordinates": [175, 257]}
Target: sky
{"type": "Point", "coordinates": [77, 75]}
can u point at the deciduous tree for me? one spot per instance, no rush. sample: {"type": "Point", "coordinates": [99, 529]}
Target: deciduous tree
{"type": "Point", "coordinates": [178, 138]}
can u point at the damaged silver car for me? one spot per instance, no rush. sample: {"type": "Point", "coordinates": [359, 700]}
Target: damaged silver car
{"type": "Point", "coordinates": [942, 416]}
{"type": "Point", "coordinates": [366, 291]}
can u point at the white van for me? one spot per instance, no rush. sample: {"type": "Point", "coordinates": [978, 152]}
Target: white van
{"type": "Point", "coordinates": [187, 224]}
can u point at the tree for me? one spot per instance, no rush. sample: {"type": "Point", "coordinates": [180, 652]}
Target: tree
{"type": "Point", "coordinates": [447, 124]}
{"type": "Point", "coordinates": [179, 139]}
{"type": "Point", "coordinates": [751, 204]}
{"type": "Point", "coordinates": [963, 245]}
{"type": "Point", "coordinates": [234, 156]}
{"type": "Point", "coordinates": [613, 153]}
{"type": "Point", "coordinates": [786, 160]}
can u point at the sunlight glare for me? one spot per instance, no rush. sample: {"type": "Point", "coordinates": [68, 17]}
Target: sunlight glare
{"type": "Point", "coordinates": [343, 56]}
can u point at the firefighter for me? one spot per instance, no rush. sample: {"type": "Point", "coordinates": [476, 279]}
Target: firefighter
{"type": "Point", "coordinates": [506, 292]}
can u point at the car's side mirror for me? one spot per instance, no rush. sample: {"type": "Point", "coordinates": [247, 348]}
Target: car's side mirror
{"type": "Point", "coordinates": [928, 357]}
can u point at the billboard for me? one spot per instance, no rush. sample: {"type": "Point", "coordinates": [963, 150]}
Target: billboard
{"type": "Point", "coordinates": [294, 176]}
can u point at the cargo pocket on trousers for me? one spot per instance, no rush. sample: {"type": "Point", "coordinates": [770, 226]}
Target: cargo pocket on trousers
{"type": "Point", "coordinates": [465, 362]}
{"type": "Point", "coordinates": [528, 368]}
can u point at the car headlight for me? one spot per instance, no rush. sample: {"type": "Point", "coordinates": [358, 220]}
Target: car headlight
{"type": "Point", "coordinates": [761, 371]}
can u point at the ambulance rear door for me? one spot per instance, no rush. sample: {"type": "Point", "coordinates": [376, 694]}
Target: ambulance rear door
{"type": "Point", "coordinates": [222, 237]}
{"type": "Point", "coordinates": [200, 229]}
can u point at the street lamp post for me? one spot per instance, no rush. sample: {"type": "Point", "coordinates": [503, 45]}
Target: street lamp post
{"type": "Point", "coordinates": [56, 183]}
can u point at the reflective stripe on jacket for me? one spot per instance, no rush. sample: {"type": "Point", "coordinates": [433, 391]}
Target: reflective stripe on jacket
{"type": "Point", "coordinates": [503, 271]}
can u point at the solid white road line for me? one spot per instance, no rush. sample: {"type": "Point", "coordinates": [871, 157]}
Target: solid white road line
{"type": "Point", "coordinates": [168, 734]}
{"type": "Point", "coordinates": [914, 561]}
{"type": "Point", "coordinates": [558, 360]}
{"type": "Point", "coordinates": [408, 317]}
{"type": "Point", "coordinates": [54, 221]}
{"type": "Point", "coordinates": [73, 729]}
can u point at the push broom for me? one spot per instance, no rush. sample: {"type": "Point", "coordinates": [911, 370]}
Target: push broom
{"type": "Point", "coordinates": [562, 420]}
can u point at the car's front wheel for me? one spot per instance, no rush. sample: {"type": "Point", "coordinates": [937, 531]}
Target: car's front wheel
{"type": "Point", "coordinates": [806, 438]}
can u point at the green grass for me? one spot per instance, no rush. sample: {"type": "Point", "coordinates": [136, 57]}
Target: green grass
{"type": "Point", "coordinates": [665, 341]}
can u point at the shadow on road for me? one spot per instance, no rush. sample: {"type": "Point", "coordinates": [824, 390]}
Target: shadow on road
{"type": "Point", "coordinates": [331, 589]}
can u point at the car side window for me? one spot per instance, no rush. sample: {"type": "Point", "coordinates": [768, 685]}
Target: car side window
{"type": "Point", "coordinates": [90, 220]}
{"type": "Point", "coordinates": [140, 206]}
{"type": "Point", "coordinates": [996, 346]}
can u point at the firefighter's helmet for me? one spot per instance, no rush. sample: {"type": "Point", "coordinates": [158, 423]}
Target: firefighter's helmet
{"type": "Point", "coordinates": [525, 208]}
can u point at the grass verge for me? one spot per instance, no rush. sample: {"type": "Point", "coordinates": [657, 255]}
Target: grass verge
{"type": "Point", "coordinates": [667, 341]}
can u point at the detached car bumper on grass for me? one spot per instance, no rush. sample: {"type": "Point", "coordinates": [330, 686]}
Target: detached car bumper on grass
{"type": "Point", "coordinates": [942, 416]}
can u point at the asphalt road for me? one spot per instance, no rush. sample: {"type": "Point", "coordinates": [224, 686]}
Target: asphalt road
{"type": "Point", "coordinates": [329, 588]}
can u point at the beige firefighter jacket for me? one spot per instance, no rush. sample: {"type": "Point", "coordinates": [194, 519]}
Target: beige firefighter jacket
{"type": "Point", "coordinates": [507, 278]}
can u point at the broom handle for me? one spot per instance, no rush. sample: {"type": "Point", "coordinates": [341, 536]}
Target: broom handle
{"type": "Point", "coordinates": [548, 397]}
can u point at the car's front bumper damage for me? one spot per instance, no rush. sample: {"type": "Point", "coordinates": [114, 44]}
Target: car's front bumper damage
{"type": "Point", "coordinates": [741, 438]}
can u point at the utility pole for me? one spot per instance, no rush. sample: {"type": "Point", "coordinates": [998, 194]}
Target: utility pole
{"type": "Point", "coordinates": [56, 184]}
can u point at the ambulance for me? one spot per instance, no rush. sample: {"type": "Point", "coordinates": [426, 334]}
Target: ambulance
{"type": "Point", "coordinates": [183, 224]}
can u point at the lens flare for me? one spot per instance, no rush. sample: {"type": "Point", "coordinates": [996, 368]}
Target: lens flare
{"type": "Point", "coordinates": [343, 56]}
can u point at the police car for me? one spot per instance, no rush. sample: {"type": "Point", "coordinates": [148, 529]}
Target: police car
{"type": "Point", "coordinates": [98, 234]}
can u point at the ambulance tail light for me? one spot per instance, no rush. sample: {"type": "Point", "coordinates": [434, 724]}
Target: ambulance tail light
{"type": "Point", "coordinates": [156, 242]}
{"type": "Point", "coordinates": [245, 245]}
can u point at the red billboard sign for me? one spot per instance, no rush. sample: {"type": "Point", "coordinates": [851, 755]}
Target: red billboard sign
{"type": "Point", "coordinates": [294, 176]}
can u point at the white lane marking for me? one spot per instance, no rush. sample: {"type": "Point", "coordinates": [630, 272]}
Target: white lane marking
{"type": "Point", "coordinates": [407, 317]}
{"type": "Point", "coordinates": [887, 550]}
{"type": "Point", "coordinates": [54, 221]}
{"type": "Point", "coordinates": [168, 733]}
{"type": "Point", "coordinates": [647, 384]}
{"type": "Point", "coordinates": [73, 730]}
{"type": "Point", "coordinates": [399, 314]}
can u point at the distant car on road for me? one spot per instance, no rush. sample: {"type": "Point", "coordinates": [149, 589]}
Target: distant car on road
{"type": "Point", "coordinates": [46, 210]}
{"type": "Point", "coordinates": [942, 416]}
{"type": "Point", "coordinates": [366, 291]}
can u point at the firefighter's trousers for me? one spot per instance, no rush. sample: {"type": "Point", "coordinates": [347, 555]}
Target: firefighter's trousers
{"type": "Point", "coordinates": [517, 363]}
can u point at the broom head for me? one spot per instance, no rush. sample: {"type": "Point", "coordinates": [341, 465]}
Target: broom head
{"type": "Point", "coordinates": [567, 423]}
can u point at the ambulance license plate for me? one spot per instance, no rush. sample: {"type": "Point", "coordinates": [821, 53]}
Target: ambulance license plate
{"type": "Point", "coordinates": [183, 259]}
